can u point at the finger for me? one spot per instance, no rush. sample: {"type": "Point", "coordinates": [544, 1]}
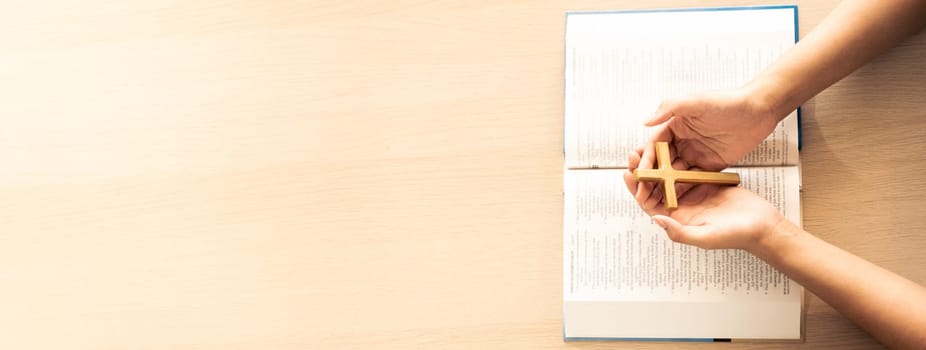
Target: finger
{"type": "Point", "coordinates": [654, 207]}
{"type": "Point", "coordinates": [662, 133]}
{"type": "Point", "coordinates": [644, 192]}
{"type": "Point", "coordinates": [673, 108]}
{"type": "Point", "coordinates": [633, 160]}
{"type": "Point", "coordinates": [631, 182]}
{"type": "Point", "coordinates": [648, 156]}
{"type": "Point", "coordinates": [664, 112]}
{"type": "Point", "coordinates": [648, 151]}
{"type": "Point", "coordinates": [677, 161]}
{"type": "Point", "coordinates": [647, 160]}
{"type": "Point", "coordinates": [654, 199]}
{"type": "Point", "coordinates": [699, 236]}
{"type": "Point", "coordinates": [682, 188]}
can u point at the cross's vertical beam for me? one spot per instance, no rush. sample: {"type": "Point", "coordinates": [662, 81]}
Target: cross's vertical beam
{"type": "Point", "coordinates": [668, 179]}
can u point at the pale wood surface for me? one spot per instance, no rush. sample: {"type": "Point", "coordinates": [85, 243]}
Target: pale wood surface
{"type": "Point", "coordinates": [352, 174]}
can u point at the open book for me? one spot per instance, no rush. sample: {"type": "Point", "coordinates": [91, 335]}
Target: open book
{"type": "Point", "coordinates": [622, 277]}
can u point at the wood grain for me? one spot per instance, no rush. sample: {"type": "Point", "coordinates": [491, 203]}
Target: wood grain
{"type": "Point", "coordinates": [327, 174]}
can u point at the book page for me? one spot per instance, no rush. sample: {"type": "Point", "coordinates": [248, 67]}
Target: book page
{"type": "Point", "coordinates": [617, 252]}
{"type": "Point", "coordinates": [614, 255]}
{"type": "Point", "coordinates": [622, 277]}
{"type": "Point", "coordinates": [620, 66]}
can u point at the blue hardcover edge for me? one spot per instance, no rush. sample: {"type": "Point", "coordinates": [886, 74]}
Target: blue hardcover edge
{"type": "Point", "coordinates": [800, 136]}
{"type": "Point", "coordinates": [694, 9]}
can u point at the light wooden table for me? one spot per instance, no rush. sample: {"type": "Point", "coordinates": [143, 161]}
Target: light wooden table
{"type": "Point", "coordinates": [352, 175]}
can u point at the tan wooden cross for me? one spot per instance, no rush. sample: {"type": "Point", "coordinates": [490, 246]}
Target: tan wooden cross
{"type": "Point", "coordinates": [668, 176]}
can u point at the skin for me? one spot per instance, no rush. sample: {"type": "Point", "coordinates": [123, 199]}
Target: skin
{"type": "Point", "coordinates": [713, 130]}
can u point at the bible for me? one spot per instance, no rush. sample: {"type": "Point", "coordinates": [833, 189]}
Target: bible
{"type": "Point", "coordinates": [622, 277]}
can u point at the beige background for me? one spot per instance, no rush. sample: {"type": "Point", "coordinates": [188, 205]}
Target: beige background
{"type": "Point", "coordinates": [328, 174]}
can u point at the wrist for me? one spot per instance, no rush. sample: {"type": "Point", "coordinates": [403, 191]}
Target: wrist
{"type": "Point", "coordinates": [769, 99]}
{"type": "Point", "coordinates": [775, 239]}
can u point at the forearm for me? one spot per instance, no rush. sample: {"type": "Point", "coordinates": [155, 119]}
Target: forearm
{"type": "Point", "coordinates": [851, 35]}
{"type": "Point", "coordinates": [890, 307]}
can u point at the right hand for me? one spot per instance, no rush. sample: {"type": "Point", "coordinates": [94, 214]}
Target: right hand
{"type": "Point", "coordinates": [706, 131]}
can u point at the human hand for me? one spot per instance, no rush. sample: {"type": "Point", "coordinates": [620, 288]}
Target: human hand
{"type": "Point", "coordinates": [713, 216]}
{"type": "Point", "coordinates": [712, 130]}
{"type": "Point", "coordinates": [706, 131]}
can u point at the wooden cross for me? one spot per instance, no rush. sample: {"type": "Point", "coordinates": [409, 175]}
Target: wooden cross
{"type": "Point", "coordinates": [668, 176]}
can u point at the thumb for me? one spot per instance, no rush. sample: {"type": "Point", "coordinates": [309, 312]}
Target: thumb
{"type": "Point", "coordinates": [673, 107]}
{"type": "Point", "coordinates": [693, 235]}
